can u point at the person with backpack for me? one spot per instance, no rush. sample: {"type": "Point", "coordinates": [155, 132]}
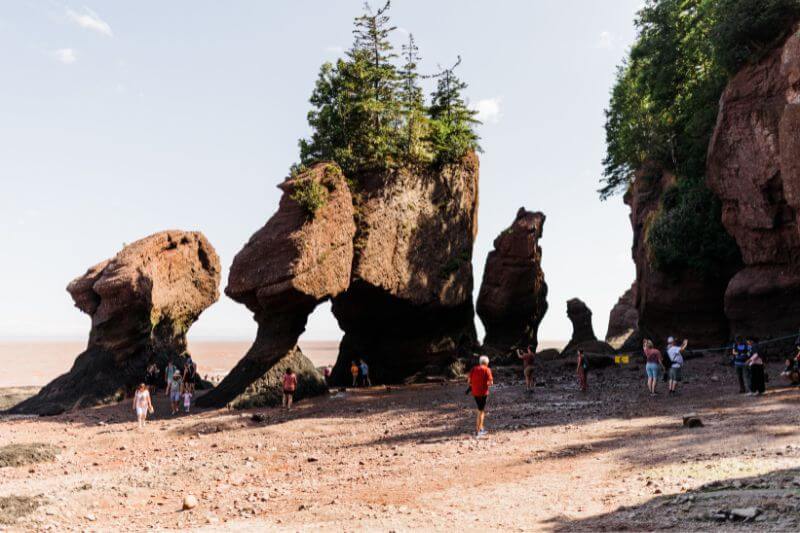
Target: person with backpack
{"type": "Point", "coordinates": [741, 353]}
{"type": "Point", "coordinates": [480, 379]}
{"type": "Point", "coordinates": [675, 356]}
{"type": "Point", "coordinates": [582, 370]}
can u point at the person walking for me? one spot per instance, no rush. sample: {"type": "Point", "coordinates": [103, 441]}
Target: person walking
{"type": "Point", "coordinates": [289, 387]}
{"type": "Point", "coordinates": [527, 367]}
{"type": "Point", "coordinates": [189, 373]}
{"type": "Point", "coordinates": [187, 398]}
{"type": "Point", "coordinates": [583, 367]}
{"type": "Point", "coordinates": [362, 366]}
{"type": "Point", "coordinates": [151, 377]}
{"type": "Point", "coordinates": [354, 371]}
{"type": "Point", "coordinates": [480, 379]}
{"type": "Point", "coordinates": [758, 383]}
{"type": "Point", "coordinates": [142, 404]}
{"type": "Point", "coordinates": [168, 373]}
{"type": "Point", "coordinates": [326, 373]}
{"type": "Point", "coordinates": [174, 391]}
{"type": "Point", "coordinates": [741, 354]}
{"type": "Point", "coordinates": [653, 365]}
{"type": "Point", "coordinates": [675, 356]}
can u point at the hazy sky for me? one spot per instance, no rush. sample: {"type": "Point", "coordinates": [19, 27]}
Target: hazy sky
{"type": "Point", "coordinates": [120, 119]}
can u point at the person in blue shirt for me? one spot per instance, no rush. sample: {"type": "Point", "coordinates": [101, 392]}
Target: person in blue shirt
{"type": "Point", "coordinates": [741, 353]}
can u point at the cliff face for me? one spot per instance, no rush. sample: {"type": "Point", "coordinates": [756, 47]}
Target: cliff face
{"type": "Point", "coordinates": [283, 272]}
{"type": "Point", "coordinates": [142, 303]}
{"type": "Point", "coordinates": [753, 166]}
{"type": "Point", "coordinates": [686, 305]}
{"type": "Point", "coordinates": [513, 295]}
{"type": "Point", "coordinates": [409, 303]}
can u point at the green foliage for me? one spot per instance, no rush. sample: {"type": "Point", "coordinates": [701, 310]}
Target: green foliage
{"type": "Point", "coordinates": [664, 103]}
{"type": "Point", "coordinates": [367, 114]}
{"type": "Point", "coordinates": [452, 122]}
{"type": "Point", "coordinates": [744, 29]}
{"type": "Point", "coordinates": [687, 233]}
{"type": "Point", "coordinates": [310, 194]}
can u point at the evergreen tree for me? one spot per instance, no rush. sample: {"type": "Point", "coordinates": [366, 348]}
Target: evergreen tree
{"type": "Point", "coordinates": [357, 113]}
{"type": "Point", "coordinates": [414, 145]}
{"type": "Point", "coordinates": [452, 134]}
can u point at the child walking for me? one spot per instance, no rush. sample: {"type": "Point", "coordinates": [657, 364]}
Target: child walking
{"type": "Point", "coordinates": [187, 398]}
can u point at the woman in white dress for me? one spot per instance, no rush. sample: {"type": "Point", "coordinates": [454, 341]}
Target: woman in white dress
{"type": "Point", "coordinates": [142, 404]}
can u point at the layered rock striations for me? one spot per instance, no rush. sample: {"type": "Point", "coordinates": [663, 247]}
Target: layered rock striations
{"type": "Point", "coordinates": [513, 296]}
{"type": "Point", "coordinates": [685, 305]}
{"type": "Point", "coordinates": [409, 303]}
{"type": "Point", "coordinates": [753, 166]}
{"type": "Point", "coordinates": [296, 261]}
{"type": "Point", "coordinates": [142, 303]}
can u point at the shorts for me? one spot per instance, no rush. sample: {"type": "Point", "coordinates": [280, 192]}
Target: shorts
{"type": "Point", "coordinates": [175, 396]}
{"type": "Point", "coordinates": [528, 372]}
{"type": "Point", "coordinates": [141, 411]}
{"type": "Point", "coordinates": [288, 392]}
{"type": "Point", "coordinates": [481, 401]}
{"type": "Point", "coordinates": [652, 370]}
{"type": "Point", "coordinates": [675, 373]}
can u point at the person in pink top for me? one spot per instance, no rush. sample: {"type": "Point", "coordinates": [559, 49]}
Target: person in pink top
{"type": "Point", "coordinates": [289, 387]}
{"type": "Point", "coordinates": [653, 365]}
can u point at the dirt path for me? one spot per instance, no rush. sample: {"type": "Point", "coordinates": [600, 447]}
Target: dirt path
{"type": "Point", "coordinates": [404, 459]}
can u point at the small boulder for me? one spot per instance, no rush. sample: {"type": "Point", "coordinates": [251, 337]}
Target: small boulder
{"type": "Point", "coordinates": [745, 513]}
{"type": "Point", "coordinates": [189, 502]}
{"type": "Point", "coordinates": [691, 420]}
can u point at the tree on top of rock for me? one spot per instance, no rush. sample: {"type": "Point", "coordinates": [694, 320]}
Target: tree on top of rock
{"type": "Point", "coordinates": [414, 145]}
{"type": "Point", "coordinates": [368, 114]}
{"type": "Point", "coordinates": [452, 122]}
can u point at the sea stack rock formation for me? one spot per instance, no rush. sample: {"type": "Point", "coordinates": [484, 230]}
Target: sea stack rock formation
{"type": "Point", "coordinates": [513, 297]}
{"type": "Point", "coordinates": [142, 303]}
{"type": "Point", "coordinates": [409, 304]}
{"type": "Point", "coordinates": [582, 330]}
{"type": "Point", "coordinates": [686, 305]}
{"type": "Point", "coordinates": [753, 166]}
{"type": "Point", "coordinates": [297, 260]}
{"type": "Point", "coordinates": [623, 323]}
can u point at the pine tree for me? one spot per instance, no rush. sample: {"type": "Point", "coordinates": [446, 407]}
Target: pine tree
{"type": "Point", "coordinates": [452, 134]}
{"type": "Point", "coordinates": [357, 113]}
{"type": "Point", "coordinates": [415, 147]}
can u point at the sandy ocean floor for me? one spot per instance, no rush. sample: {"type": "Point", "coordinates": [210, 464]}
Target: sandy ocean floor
{"type": "Point", "coordinates": [405, 459]}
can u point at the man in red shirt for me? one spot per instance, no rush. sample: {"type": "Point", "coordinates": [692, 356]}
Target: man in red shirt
{"type": "Point", "coordinates": [480, 379]}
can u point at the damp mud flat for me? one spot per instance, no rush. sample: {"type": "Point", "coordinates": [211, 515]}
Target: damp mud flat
{"type": "Point", "coordinates": [403, 458]}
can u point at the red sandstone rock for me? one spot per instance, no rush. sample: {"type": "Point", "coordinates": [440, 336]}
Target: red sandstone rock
{"type": "Point", "coordinates": [623, 323]}
{"type": "Point", "coordinates": [409, 304]}
{"type": "Point", "coordinates": [283, 272]}
{"type": "Point", "coordinates": [142, 303]}
{"type": "Point", "coordinates": [754, 167]}
{"type": "Point", "coordinates": [687, 305]}
{"type": "Point", "coordinates": [513, 295]}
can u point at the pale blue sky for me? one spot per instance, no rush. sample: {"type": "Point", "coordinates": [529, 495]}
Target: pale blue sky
{"type": "Point", "coordinates": [120, 119]}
